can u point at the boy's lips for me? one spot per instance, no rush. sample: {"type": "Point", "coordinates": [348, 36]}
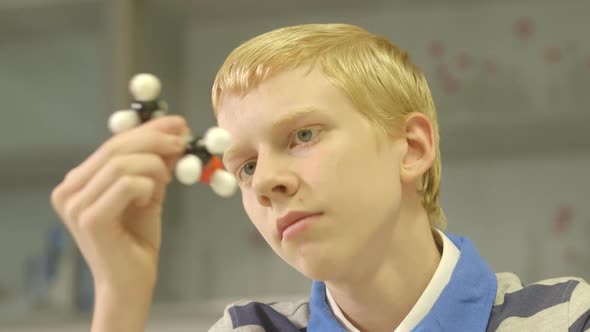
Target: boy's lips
{"type": "Point", "coordinates": [291, 218]}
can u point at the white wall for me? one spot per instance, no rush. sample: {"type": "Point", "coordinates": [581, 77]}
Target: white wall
{"type": "Point", "coordinates": [52, 91]}
{"type": "Point", "coordinates": [507, 208]}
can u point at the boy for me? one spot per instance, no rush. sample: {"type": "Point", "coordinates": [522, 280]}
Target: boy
{"type": "Point", "coordinates": [335, 146]}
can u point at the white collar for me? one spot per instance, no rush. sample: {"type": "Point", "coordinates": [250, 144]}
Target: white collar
{"type": "Point", "coordinates": [441, 277]}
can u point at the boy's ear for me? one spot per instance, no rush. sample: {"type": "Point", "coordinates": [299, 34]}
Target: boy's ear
{"type": "Point", "coordinates": [420, 151]}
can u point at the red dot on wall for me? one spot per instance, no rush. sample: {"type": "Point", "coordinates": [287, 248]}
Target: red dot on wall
{"type": "Point", "coordinates": [489, 66]}
{"type": "Point", "coordinates": [451, 85]}
{"type": "Point", "coordinates": [552, 55]}
{"type": "Point", "coordinates": [563, 219]}
{"type": "Point", "coordinates": [464, 61]}
{"type": "Point", "coordinates": [523, 28]}
{"type": "Point", "coordinates": [436, 48]}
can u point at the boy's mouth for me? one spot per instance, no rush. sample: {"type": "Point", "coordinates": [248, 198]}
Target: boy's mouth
{"type": "Point", "coordinates": [290, 219]}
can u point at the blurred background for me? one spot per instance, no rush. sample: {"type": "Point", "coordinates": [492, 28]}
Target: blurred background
{"type": "Point", "coordinates": [512, 86]}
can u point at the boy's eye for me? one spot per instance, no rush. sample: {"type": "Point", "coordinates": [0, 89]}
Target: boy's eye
{"type": "Point", "coordinates": [305, 135]}
{"type": "Point", "coordinates": [301, 137]}
{"type": "Point", "coordinates": [247, 170]}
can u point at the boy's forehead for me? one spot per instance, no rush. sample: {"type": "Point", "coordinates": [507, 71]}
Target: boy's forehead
{"type": "Point", "coordinates": [276, 105]}
{"type": "Point", "coordinates": [237, 120]}
{"type": "Point", "coordinates": [293, 91]}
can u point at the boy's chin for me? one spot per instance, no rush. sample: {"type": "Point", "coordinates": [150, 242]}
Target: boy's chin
{"type": "Point", "coordinates": [321, 257]}
{"type": "Point", "coordinates": [320, 267]}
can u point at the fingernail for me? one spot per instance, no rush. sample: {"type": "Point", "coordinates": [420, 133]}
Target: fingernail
{"type": "Point", "coordinates": [178, 122]}
{"type": "Point", "coordinates": [178, 141]}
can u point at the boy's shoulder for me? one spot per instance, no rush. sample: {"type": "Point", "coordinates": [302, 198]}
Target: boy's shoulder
{"type": "Point", "coordinates": [550, 305]}
{"type": "Point", "coordinates": [559, 304]}
{"type": "Point", "coordinates": [246, 316]}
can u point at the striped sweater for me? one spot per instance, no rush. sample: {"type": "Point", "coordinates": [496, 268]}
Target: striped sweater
{"type": "Point", "coordinates": [475, 299]}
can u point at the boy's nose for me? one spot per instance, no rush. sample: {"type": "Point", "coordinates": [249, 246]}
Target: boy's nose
{"type": "Point", "coordinates": [273, 181]}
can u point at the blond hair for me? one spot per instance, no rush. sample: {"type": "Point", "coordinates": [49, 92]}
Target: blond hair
{"type": "Point", "coordinates": [376, 75]}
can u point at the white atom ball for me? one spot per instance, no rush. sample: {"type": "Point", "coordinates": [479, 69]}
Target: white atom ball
{"type": "Point", "coordinates": [216, 140]}
{"type": "Point", "coordinates": [188, 169]}
{"type": "Point", "coordinates": [223, 183]}
{"type": "Point", "coordinates": [123, 120]}
{"type": "Point", "coordinates": [145, 87]}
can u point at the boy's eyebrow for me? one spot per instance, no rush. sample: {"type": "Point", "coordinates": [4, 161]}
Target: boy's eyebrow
{"type": "Point", "coordinates": [293, 115]}
{"type": "Point", "coordinates": [229, 154]}
{"type": "Point", "coordinates": [275, 125]}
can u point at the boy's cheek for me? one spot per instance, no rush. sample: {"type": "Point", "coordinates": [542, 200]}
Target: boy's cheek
{"type": "Point", "coordinates": [258, 215]}
{"type": "Point", "coordinates": [249, 201]}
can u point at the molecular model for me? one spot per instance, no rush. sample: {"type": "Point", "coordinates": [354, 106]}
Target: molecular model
{"type": "Point", "coordinates": [199, 162]}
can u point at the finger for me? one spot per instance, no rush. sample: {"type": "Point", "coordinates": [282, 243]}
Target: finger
{"type": "Point", "coordinates": [75, 179]}
{"type": "Point", "coordinates": [159, 194]}
{"type": "Point", "coordinates": [137, 139]}
{"type": "Point", "coordinates": [57, 199]}
{"type": "Point", "coordinates": [61, 193]}
{"type": "Point", "coordinates": [170, 124]}
{"type": "Point", "coordinates": [129, 189]}
{"type": "Point", "coordinates": [145, 231]}
{"type": "Point", "coordinates": [171, 162]}
{"type": "Point", "coordinates": [134, 141]}
{"type": "Point", "coordinates": [149, 165]}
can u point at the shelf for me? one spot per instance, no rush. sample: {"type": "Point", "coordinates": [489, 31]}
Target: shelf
{"type": "Point", "coordinates": [23, 21]}
{"type": "Point", "coordinates": [30, 4]}
{"type": "Point", "coordinates": [39, 165]}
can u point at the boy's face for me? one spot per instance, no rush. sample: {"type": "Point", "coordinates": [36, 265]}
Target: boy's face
{"type": "Point", "coordinates": [299, 144]}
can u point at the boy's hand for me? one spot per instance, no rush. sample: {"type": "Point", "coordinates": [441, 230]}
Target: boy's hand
{"type": "Point", "coordinates": [112, 205]}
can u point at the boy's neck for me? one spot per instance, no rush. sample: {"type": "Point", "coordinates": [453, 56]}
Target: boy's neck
{"type": "Point", "coordinates": [378, 295]}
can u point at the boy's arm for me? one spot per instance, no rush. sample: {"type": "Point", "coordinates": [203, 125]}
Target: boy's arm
{"type": "Point", "coordinates": [113, 312]}
{"type": "Point", "coordinates": [224, 324]}
{"type": "Point", "coordinates": [579, 308]}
